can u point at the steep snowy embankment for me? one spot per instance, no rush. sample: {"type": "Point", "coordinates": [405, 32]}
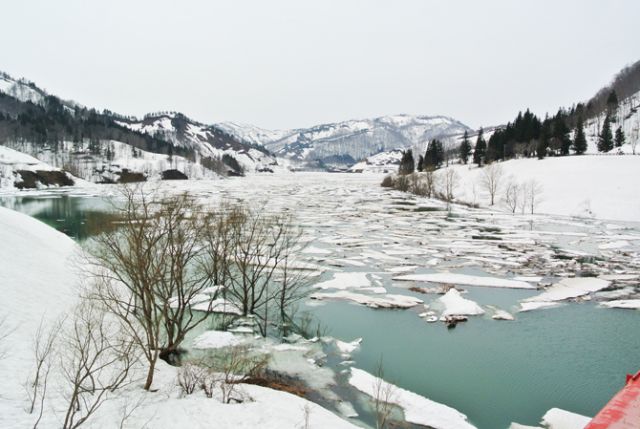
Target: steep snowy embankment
{"type": "Point", "coordinates": [37, 280]}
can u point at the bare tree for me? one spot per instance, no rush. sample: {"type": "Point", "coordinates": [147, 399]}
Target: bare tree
{"type": "Point", "coordinates": [491, 179]}
{"type": "Point", "coordinates": [533, 194]}
{"type": "Point", "coordinates": [635, 135]}
{"type": "Point", "coordinates": [150, 271]}
{"type": "Point", "coordinates": [430, 182]}
{"type": "Point", "coordinates": [97, 362]}
{"type": "Point", "coordinates": [512, 195]}
{"type": "Point", "coordinates": [261, 274]}
{"type": "Point", "coordinates": [450, 179]}
{"type": "Point", "coordinates": [384, 395]}
{"type": "Point", "coordinates": [43, 349]}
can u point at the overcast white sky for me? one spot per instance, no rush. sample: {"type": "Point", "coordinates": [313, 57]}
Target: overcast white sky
{"type": "Point", "coordinates": [296, 63]}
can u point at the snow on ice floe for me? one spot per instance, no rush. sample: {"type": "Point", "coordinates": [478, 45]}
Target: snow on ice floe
{"type": "Point", "coordinates": [633, 304]}
{"type": "Point", "coordinates": [570, 288]}
{"type": "Point", "coordinates": [215, 340]}
{"type": "Point", "coordinates": [556, 418]}
{"type": "Point", "coordinates": [347, 280]}
{"type": "Point", "coordinates": [346, 348]}
{"type": "Point", "coordinates": [417, 409]}
{"type": "Point", "coordinates": [614, 245]}
{"type": "Point", "coordinates": [499, 314]}
{"type": "Point", "coordinates": [465, 279]}
{"type": "Point", "coordinates": [529, 306]}
{"type": "Point", "coordinates": [384, 301]}
{"type": "Point", "coordinates": [455, 304]}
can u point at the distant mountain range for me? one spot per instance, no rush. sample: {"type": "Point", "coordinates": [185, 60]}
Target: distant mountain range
{"type": "Point", "coordinates": [345, 143]}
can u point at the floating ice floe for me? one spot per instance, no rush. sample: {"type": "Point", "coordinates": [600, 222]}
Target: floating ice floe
{"type": "Point", "coordinates": [347, 348]}
{"type": "Point", "coordinates": [569, 288]}
{"type": "Point", "coordinates": [614, 245]}
{"type": "Point", "coordinates": [345, 281]}
{"type": "Point", "coordinates": [215, 340]}
{"type": "Point", "coordinates": [417, 409]}
{"type": "Point", "coordinates": [455, 304]}
{"type": "Point", "coordinates": [465, 279]}
{"type": "Point", "coordinates": [386, 301]}
{"type": "Point", "coordinates": [556, 418]}
{"type": "Point", "coordinates": [632, 304]}
{"type": "Point", "coordinates": [502, 315]}
{"type": "Point", "coordinates": [519, 426]}
{"type": "Point", "coordinates": [529, 306]}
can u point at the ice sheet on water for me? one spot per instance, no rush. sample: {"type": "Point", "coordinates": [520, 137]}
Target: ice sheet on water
{"type": "Point", "coordinates": [465, 279]}
{"type": "Point", "coordinates": [417, 409]}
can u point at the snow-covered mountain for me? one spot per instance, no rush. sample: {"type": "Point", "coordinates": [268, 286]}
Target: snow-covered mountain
{"type": "Point", "coordinates": [345, 143]}
{"type": "Point", "coordinates": [208, 141]}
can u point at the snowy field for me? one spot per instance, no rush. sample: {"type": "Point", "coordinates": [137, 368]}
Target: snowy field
{"type": "Point", "coordinates": [603, 187]}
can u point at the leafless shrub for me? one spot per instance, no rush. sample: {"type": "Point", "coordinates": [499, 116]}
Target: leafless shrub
{"type": "Point", "coordinates": [190, 377]}
{"type": "Point", "coordinates": [97, 362]}
{"type": "Point", "coordinates": [402, 183]}
{"type": "Point", "coordinates": [235, 365]}
{"type": "Point", "coordinates": [43, 349]}
{"type": "Point", "coordinates": [387, 182]}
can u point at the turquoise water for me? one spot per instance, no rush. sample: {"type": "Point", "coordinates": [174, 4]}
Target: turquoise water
{"type": "Point", "coordinates": [573, 357]}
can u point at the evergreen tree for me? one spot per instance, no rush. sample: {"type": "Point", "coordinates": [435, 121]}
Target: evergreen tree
{"type": "Point", "coordinates": [605, 140]}
{"type": "Point", "coordinates": [465, 148]}
{"type": "Point", "coordinates": [420, 163]}
{"type": "Point", "coordinates": [580, 141]}
{"type": "Point", "coordinates": [407, 164]}
{"type": "Point", "coordinates": [480, 149]}
{"type": "Point", "coordinates": [620, 139]}
{"type": "Point", "coordinates": [612, 101]}
{"type": "Point", "coordinates": [434, 156]}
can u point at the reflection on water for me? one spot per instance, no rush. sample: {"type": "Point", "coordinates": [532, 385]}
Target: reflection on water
{"type": "Point", "coordinates": [78, 217]}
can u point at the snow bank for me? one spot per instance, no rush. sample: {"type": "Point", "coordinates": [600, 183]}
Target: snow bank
{"type": "Point", "coordinates": [455, 304]}
{"type": "Point", "coordinates": [37, 281]}
{"type": "Point", "coordinates": [464, 279]}
{"type": "Point", "coordinates": [417, 409]}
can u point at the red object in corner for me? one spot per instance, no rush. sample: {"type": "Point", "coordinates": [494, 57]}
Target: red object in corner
{"type": "Point", "coordinates": [623, 410]}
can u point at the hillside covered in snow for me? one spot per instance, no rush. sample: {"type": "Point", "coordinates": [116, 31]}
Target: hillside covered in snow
{"type": "Point", "coordinates": [107, 147]}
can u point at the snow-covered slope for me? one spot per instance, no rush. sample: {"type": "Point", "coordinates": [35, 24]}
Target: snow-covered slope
{"type": "Point", "coordinates": [605, 187]}
{"type": "Point", "coordinates": [344, 143]}
{"type": "Point", "coordinates": [30, 296]}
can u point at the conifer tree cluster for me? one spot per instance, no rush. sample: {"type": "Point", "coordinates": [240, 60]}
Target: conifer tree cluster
{"type": "Point", "coordinates": [407, 164]}
{"type": "Point", "coordinates": [465, 148]}
{"type": "Point", "coordinates": [434, 156]}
